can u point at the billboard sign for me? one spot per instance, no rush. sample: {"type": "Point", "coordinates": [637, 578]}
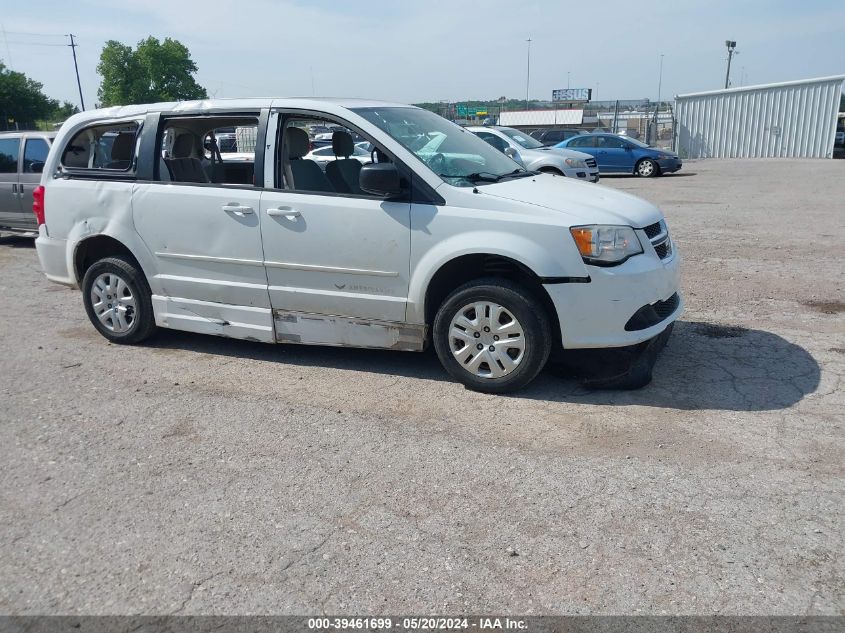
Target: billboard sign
{"type": "Point", "coordinates": [572, 94]}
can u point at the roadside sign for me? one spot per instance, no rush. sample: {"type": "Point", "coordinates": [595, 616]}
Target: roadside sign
{"type": "Point", "coordinates": [572, 94]}
{"type": "Point", "coordinates": [463, 111]}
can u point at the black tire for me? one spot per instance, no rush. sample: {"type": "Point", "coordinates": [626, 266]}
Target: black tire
{"type": "Point", "coordinates": [525, 308]}
{"type": "Point", "coordinates": [142, 323]}
{"type": "Point", "coordinates": [647, 168]}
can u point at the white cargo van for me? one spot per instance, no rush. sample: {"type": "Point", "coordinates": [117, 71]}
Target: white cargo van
{"type": "Point", "coordinates": [437, 238]}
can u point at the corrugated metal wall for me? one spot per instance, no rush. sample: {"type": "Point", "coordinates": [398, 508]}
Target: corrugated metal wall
{"type": "Point", "coordinates": [795, 119]}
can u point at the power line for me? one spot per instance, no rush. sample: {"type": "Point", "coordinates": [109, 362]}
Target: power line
{"type": "Point", "coordinates": [8, 41]}
{"type": "Point", "coordinates": [33, 34]}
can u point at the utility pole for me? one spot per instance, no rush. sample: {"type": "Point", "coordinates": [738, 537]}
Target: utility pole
{"type": "Point", "coordinates": [659, 87]}
{"type": "Point", "coordinates": [73, 46]}
{"type": "Point", "coordinates": [528, 74]}
{"type": "Point", "coordinates": [567, 80]}
{"type": "Point", "coordinates": [731, 48]}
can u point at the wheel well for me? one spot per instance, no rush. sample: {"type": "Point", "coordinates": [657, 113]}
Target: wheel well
{"type": "Point", "coordinates": [460, 270]}
{"type": "Point", "coordinates": [95, 248]}
{"type": "Point", "coordinates": [551, 170]}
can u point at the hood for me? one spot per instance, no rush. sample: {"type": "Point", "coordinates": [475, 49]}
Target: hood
{"type": "Point", "coordinates": [544, 152]}
{"type": "Point", "coordinates": [583, 203]}
{"type": "Point", "coordinates": [565, 152]}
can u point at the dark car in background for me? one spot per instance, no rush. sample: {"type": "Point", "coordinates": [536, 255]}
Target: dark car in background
{"type": "Point", "coordinates": [620, 155]}
{"type": "Point", "coordinates": [555, 135]}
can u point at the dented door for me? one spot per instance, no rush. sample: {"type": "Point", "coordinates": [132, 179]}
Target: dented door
{"type": "Point", "coordinates": [336, 255]}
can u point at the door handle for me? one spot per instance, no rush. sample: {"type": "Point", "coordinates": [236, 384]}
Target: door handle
{"type": "Point", "coordinates": [288, 212]}
{"type": "Point", "coordinates": [237, 209]}
{"type": "Point", "coordinates": [20, 191]}
{"type": "Point", "coordinates": [14, 187]}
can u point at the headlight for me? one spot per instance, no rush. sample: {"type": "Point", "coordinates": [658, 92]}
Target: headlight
{"type": "Point", "coordinates": [600, 244]}
{"type": "Point", "coordinates": [663, 156]}
{"type": "Point", "coordinates": [575, 162]}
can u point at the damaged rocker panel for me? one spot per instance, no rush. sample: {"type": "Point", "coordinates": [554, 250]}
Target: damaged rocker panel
{"type": "Point", "coordinates": [341, 331]}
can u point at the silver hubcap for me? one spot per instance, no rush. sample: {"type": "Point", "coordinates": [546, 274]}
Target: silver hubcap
{"type": "Point", "coordinates": [113, 303]}
{"type": "Point", "coordinates": [487, 340]}
{"type": "Point", "coordinates": [646, 167]}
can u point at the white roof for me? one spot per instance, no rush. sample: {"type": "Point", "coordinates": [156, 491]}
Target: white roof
{"type": "Point", "coordinates": [320, 103]}
{"type": "Point", "coordinates": [782, 84]}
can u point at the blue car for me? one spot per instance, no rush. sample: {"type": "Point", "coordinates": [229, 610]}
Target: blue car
{"type": "Point", "coordinates": [622, 155]}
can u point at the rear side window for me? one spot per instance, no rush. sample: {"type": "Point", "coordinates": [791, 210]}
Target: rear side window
{"type": "Point", "coordinates": [9, 149]}
{"type": "Point", "coordinates": [103, 147]}
{"type": "Point", "coordinates": [34, 155]}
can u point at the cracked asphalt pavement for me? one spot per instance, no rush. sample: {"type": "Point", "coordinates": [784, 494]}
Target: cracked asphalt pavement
{"type": "Point", "coordinates": [200, 475]}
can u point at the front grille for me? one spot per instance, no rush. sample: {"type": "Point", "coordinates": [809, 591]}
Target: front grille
{"type": "Point", "coordinates": [658, 235]}
{"type": "Point", "coordinates": [665, 308]}
{"type": "Point", "coordinates": [591, 162]}
{"type": "Point", "coordinates": [663, 250]}
{"type": "Point", "coordinates": [652, 230]}
{"type": "Point", "coordinates": [653, 314]}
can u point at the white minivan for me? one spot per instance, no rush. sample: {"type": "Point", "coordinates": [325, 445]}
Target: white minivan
{"type": "Point", "coordinates": [437, 238]}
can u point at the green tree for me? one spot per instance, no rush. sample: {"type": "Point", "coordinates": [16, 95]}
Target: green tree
{"type": "Point", "coordinates": [21, 98]}
{"type": "Point", "coordinates": [153, 71]}
{"type": "Point", "coordinates": [64, 111]}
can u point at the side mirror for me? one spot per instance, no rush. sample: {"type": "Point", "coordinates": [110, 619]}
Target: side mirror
{"type": "Point", "coordinates": [381, 179]}
{"type": "Point", "coordinates": [510, 152]}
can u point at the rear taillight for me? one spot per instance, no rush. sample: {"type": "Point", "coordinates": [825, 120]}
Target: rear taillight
{"type": "Point", "coordinates": [38, 204]}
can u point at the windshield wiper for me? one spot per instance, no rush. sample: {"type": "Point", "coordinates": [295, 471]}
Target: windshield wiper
{"type": "Point", "coordinates": [486, 176]}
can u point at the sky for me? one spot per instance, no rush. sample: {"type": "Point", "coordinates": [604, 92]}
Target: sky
{"type": "Point", "coordinates": [432, 50]}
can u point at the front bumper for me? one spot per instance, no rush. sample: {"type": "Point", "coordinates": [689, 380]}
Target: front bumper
{"type": "Point", "coordinates": [669, 165]}
{"type": "Point", "coordinates": [589, 174]}
{"type": "Point", "coordinates": [595, 314]}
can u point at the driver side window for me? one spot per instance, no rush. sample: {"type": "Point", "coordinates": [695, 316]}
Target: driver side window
{"type": "Point", "coordinates": [318, 155]}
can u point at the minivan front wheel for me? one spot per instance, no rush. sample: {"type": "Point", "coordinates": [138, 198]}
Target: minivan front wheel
{"type": "Point", "coordinates": [647, 168]}
{"type": "Point", "coordinates": [492, 335]}
{"type": "Point", "coordinates": [117, 300]}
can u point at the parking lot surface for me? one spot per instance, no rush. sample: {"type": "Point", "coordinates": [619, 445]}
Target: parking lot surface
{"type": "Point", "coordinates": [201, 475]}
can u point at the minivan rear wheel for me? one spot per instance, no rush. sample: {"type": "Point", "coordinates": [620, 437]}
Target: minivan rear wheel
{"type": "Point", "coordinates": [118, 300]}
{"type": "Point", "coordinates": [492, 335]}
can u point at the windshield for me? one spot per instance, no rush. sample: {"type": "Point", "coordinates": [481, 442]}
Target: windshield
{"type": "Point", "coordinates": [456, 155]}
{"type": "Point", "coordinates": [523, 139]}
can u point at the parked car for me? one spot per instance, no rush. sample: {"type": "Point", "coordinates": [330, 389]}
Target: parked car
{"type": "Point", "coordinates": [840, 137]}
{"type": "Point", "coordinates": [324, 155]}
{"type": "Point", "coordinates": [538, 158]}
{"type": "Point", "coordinates": [22, 157]}
{"type": "Point", "coordinates": [440, 240]}
{"type": "Point", "coordinates": [554, 135]}
{"type": "Point", "coordinates": [502, 146]}
{"type": "Point", "coordinates": [619, 155]}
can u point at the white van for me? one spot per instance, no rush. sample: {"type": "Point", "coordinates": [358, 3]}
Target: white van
{"type": "Point", "coordinates": [439, 238]}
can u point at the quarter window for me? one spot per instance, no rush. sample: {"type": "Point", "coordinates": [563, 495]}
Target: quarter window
{"type": "Point", "coordinates": [103, 147]}
{"type": "Point", "coordinates": [9, 149]}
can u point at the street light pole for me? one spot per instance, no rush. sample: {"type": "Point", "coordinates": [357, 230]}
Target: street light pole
{"type": "Point", "coordinates": [731, 47]}
{"type": "Point", "coordinates": [659, 87]}
{"type": "Point", "coordinates": [528, 74]}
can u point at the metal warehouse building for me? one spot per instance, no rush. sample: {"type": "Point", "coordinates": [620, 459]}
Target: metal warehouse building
{"type": "Point", "coordinates": [791, 119]}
